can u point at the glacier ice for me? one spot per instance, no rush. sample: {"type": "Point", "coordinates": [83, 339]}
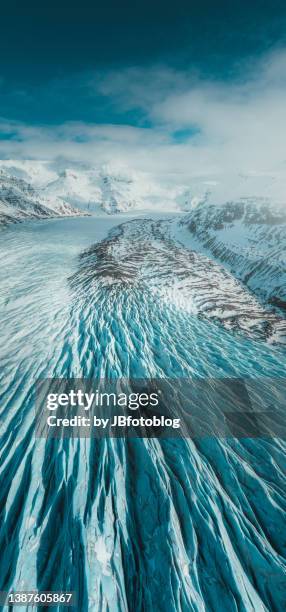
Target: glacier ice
{"type": "Point", "coordinates": [133, 524]}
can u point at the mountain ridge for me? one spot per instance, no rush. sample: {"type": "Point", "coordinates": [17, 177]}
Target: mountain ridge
{"type": "Point", "coordinates": [249, 238]}
{"type": "Point", "coordinates": [19, 201]}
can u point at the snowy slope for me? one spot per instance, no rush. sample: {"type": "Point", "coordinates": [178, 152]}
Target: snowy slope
{"type": "Point", "coordinates": [20, 201]}
{"type": "Point", "coordinates": [76, 187]}
{"type": "Point", "coordinates": [248, 237]}
{"type": "Point", "coordinates": [112, 189]}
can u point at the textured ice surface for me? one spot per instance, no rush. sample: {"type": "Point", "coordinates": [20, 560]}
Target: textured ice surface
{"type": "Point", "coordinates": [141, 524]}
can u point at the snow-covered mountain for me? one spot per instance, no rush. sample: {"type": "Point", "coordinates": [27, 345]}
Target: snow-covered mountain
{"type": "Point", "coordinates": [114, 187]}
{"type": "Point", "coordinates": [20, 201]}
{"type": "Point", "coordinates": [249, 237]}
{"type": "Point", "coordinates": [36, 172]}
{"type": "Point", "coordinates": [110, 188]}
{"type": "Point", "coordinates": [219, 188]}
{"type": "Point", "coordinates": [78, 188]}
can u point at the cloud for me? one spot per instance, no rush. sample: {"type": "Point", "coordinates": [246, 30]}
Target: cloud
{"type": "Point", "coordinates": [229, 127]}
{"type": "Point", "coordinates": [239, 122]}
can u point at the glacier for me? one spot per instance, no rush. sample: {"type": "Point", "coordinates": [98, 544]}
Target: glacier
{"type": "Point", "coordinates": [135, 524]}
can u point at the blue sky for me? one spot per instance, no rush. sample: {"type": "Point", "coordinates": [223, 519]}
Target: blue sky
{"type": "Point", "coordinates": [182, 81]}
{"type": "Point", "coordinates": [47, 50]}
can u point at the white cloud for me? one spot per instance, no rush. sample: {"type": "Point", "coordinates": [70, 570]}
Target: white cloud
{"type": "Point", "coordinates": [240, 124]}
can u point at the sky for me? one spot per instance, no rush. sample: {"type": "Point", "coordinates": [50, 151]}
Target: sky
{"type": "Point", "coordinates": [176, 88]}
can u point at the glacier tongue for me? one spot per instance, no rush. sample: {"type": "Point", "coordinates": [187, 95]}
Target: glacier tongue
{"type": "Point", "coordinates": [167, 525]}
